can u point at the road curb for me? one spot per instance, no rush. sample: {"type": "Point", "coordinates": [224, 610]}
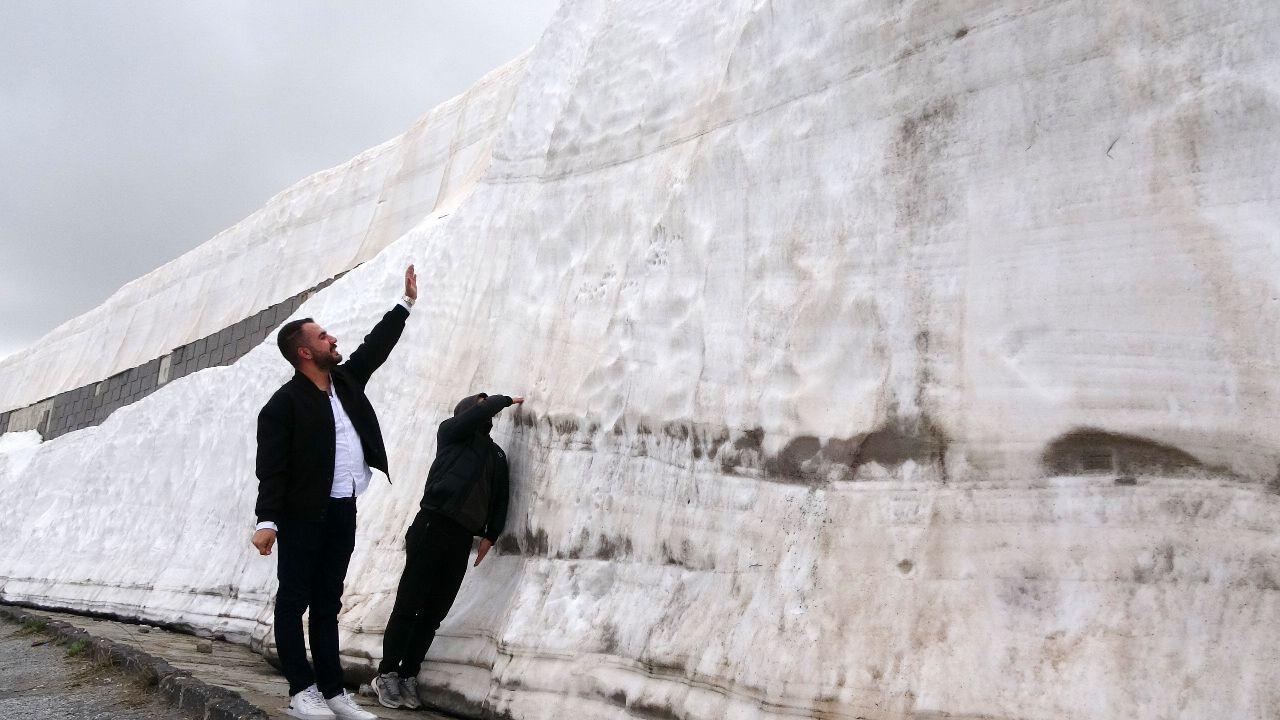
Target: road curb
{"type": "Point", "coordinates": [178, 687]}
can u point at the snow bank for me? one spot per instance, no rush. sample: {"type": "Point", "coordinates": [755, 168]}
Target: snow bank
{"type": "Point", "coordinates": [322, 226]}
{"type": "Point", "coordinates": [884, 360]}
{"type": "Point", "coordinates": [16, 450]}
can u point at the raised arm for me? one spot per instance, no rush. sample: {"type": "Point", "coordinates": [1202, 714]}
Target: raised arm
{"type": "Point", "coordinates": [377, 345]}
{"type": "Point", "coordinates": [460, 427]}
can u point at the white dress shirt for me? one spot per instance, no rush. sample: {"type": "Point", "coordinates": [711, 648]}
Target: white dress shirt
{"type": "Point", "coordinates": [351, 474]}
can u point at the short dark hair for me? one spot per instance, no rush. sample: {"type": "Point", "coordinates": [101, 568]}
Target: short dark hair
{"type": "Point", "coordinates": [290, 339]}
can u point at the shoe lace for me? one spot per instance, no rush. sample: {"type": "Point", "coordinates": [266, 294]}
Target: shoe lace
{"type": "Point", "coordinates": [312, 699]}
{"type": "Point", "coordinates": [346, 699]}
{"type": "Point", "coordinates": [391, 684]}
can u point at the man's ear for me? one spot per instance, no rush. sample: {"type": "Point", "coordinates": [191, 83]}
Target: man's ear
{"type": "Point", "coordinates": [305, 353]}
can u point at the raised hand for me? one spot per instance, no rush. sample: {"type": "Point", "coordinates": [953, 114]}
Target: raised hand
{"type": "Point", "coordinates": [410, 283]}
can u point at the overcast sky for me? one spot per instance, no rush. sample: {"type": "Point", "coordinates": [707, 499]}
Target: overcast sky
{"type": "Point", "coordinates": [133, 130]}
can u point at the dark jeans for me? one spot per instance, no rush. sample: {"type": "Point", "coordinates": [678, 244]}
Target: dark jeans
{"type": "Point", "coordinates": [311, 568]}
{"type": "Point", "coordinates": [436, 554]}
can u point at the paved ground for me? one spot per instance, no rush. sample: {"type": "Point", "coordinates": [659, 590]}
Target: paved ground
{"type": "Point", "coordinates": [233, 667]}
{"type": "Point", "coordinates": [38, 681]}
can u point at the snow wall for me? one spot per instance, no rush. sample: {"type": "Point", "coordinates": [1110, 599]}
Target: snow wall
{"type": "Point", "coordinates": [885, 360]}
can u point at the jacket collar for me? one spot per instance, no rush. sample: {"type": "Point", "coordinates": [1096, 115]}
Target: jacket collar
{"type": "Point", "coordinates": [335, 378]}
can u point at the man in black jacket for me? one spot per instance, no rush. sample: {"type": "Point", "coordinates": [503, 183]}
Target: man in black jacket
{"type": "Point", "coordinates": [466, 496]}
{"type": "Point", "coordinates": [317, 438]}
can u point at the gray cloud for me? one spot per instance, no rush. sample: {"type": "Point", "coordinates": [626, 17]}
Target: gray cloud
{"type": "Point", "coordinates": [132, 131]}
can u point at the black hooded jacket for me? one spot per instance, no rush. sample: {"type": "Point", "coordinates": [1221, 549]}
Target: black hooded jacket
{"type": "Point", "coordinates": [468, 481]}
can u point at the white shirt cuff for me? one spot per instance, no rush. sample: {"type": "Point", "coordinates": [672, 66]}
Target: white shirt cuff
{"type": "Point", "coordinates": [406, 303]}
{"type": "Point", "coordinates": [267, 525]}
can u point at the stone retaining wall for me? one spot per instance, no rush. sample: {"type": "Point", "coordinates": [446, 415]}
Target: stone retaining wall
{"type": "Point", "coordinates": [90, 404]}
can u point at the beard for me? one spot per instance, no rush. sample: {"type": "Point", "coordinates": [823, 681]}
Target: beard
{"type": "Point", "coordinates": [327, 360]}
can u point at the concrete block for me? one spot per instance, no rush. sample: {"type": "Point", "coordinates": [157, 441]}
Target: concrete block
{"type": "Point", "coordinates": [166, 368]}
{"type": "Point", "coordinates": [238, 330]}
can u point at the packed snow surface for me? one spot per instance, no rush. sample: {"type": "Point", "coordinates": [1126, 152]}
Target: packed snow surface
{"type": "Point", "coordinates": [884, 360]}
{"type": "Point", "coordinates": [16, 450]}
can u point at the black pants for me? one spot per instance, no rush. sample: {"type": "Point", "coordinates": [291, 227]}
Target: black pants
{"type": "Point", "coordinates": [311, 568]}
{"type": "Point", "coordinates": [436, 554]}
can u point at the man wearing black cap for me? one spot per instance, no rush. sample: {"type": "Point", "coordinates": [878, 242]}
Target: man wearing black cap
{"type": "Point", "coordinates": [466, 496]}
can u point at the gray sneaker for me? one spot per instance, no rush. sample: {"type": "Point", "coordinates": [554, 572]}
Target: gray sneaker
{"type": "Point", "coordinates": [409, 693]}
{"type": "Point", "coordinates": [387, 688]}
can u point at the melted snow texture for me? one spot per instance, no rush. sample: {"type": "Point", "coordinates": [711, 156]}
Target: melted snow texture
{"type": "Point", "coordinates": [838, 322]}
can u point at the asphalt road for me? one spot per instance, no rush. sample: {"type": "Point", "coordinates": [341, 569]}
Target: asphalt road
{"type": "Point", "coordinates": [38, 681]}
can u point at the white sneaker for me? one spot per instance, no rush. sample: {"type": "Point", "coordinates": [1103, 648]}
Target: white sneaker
{"type": "Point", "coordinates": [309, 705]}
{"type": "Point", "coordinates": [409, 693]}
{"type": "Point", "coordinates": [344, 706]}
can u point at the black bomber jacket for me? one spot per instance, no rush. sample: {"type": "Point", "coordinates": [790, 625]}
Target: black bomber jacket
{"type": "Point", "coordinates": [296, 434]}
